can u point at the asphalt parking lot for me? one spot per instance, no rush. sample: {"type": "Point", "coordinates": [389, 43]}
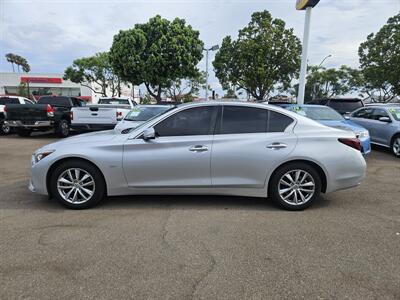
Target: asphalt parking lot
{"type": "Point", "coordinates": [345, 246]}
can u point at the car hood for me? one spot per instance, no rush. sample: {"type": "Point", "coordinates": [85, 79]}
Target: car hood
{"type": "Point", "coordinates": [344, 125]}
{"type": "Point", "coordinates": [92, 137]}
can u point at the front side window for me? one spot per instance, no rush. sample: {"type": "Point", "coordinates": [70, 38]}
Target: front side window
{"type": "Point", "coordinates": [379, 113]}
{"type": "Point", "coordinates": [192, 121]}
{"type": "Point", "coordinates": [365, 113]}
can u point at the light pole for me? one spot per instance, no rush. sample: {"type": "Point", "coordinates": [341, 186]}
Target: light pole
{"type": "Point", "coordinates": [304, 5]}
{"type": "Point", "coordinates": [314, 91]}
{"type": "Point", "coordinates": [213, 48]}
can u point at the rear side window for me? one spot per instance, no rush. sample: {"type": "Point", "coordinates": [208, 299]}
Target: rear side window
{"type": "Point", "coordinates": [278, 122]}
{"type": "Point", "coordinates": [347, 106]}
{"type": "Point", "coordinates": [192, 121]}
{"type": "Point", "coordinates": [55, 101]}
{"type": "Point", "coordinates": [237, 119]}
{"type": "Point", "coordinates": [7, 100]}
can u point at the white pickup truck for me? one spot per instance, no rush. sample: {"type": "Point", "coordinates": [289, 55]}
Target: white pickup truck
{"type": "Point", "coordinates": [101, 116]}
{"type": "Point", "coordinates": [4, 100]}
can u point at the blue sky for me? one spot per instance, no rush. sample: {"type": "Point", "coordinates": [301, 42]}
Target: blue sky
{"type": "Point", "coordinates": [51, 34]}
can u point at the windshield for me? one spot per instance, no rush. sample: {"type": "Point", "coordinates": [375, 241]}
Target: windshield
{"type": "Point", "coordinates": [395, 112]}
{"type": "Point", "coordinates": [144, 113]}
{"type": "Point", "coordinates": [129, 130]}
{"type": "Point", "coordinates": [318, 113]}
{"type": "Point", "coordinates": [113, 101]}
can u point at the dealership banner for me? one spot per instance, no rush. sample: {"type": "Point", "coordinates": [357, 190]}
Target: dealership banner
{"type": "Point", "coordinates": [26, 79]}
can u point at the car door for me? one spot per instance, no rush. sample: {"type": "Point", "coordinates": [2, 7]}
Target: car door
{"type": "Point", "coordinates": [248, 143]}
{"type": "Point", "coordinates": [180, 154]}
{"type": "Point", "coordinates": [382, 130]}
{"type": "Point", "coordinates": [364, 117]}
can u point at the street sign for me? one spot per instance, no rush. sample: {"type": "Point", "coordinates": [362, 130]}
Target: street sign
{"type": "Point", "coordinates": [303, 4]}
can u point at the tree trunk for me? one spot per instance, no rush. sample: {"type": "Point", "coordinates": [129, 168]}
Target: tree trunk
{"type": "Point", "coordinates": [13, 67]}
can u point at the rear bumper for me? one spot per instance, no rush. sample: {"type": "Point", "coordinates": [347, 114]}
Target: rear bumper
{"type": "Point", "coordinates": [92, 127]}
{"type": "Point", "coordinates": [35, 124]}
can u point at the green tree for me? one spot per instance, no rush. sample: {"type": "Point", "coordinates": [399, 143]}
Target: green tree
{"type": "Point", "coordinates": [380, 60]}
{"type": "Point", "coordinates": [94, 70]}
{"type": "Point", "coordinates": [11, 57]}
{"type": "Point", "coordinates": [157, 54]}
{"type": "Point", "coordinates": [266, 54]}
{"type": "Point", "coordinates": [22, 90]}
{"type": "Point", "coordinates": [230, 94]}
{"type": "Point", "coordinates": [185, 90]}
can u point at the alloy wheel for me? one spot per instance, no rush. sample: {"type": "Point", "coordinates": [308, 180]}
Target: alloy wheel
{"type": "Point", "coordinates": [296, 187]}
{"type": "Point", "coordinates": [396, 146]}
{"type": "Point", "coordinates": [76, 186]}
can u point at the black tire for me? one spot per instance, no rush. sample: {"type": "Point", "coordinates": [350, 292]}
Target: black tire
{"type": "Point", "coordinates": [99, 186]}
{"type": "Point", "coordinates": [275, 185]}
{"type": "Point", "coordinates": [395, 139]}
{"type": "Point", "coordinates": [24, 132]}
{"type": "Point", "coordinates": [63, 129]}
{"type": "Point", "coordinates": [5, 129]}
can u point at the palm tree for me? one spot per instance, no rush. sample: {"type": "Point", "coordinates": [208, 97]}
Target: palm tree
{"type": "Point", "coordinates": [11, 59]}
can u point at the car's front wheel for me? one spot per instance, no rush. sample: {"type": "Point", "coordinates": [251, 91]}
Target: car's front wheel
{"type": "Point", "coordinates": [295, 186]}
{"type": "Point", "coordinates": [5, 128]}
{"type": "Point", "coordinates": [77, 184]}
{"type": "Point", "coordinates": [395, 146]}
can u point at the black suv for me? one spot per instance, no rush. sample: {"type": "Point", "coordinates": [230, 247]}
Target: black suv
{"type": "Point", "coordinates": [344, 106]}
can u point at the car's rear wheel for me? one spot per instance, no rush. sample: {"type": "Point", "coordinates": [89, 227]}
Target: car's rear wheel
{"type": "Point", "coordinates": [295, 186]}
{"type": "Point", "coordinates": [395, 146]}
{"type": "Point", "coordinates": [24, 132]}
{"type": "Point", "coordinates": [77, 184]}
{"type": "Point", "coordinates": [63, 129]}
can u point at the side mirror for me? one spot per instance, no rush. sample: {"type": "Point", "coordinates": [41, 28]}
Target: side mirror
{"type": "Point", "coordinates": [347, 117]}
{"type": "Point", "coordinates": [149, 134]}
{"type": "Point", "coordinates": [385, 119]}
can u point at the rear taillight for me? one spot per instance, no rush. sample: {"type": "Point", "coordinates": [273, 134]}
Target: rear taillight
{"type": "Point", "coordinates": [50, 110]}
{"type": "Point", "coordinates": [119, 114]}
{"type": "Point", "coordinates": [351, 142]}
{"type": "Point", "coordinates": [5, 108]}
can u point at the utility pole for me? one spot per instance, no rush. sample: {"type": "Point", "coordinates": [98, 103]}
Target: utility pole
{"type": "Point", "coordinates": [306, 5]}
{"type": "Point", "coordinates": [213, 48]}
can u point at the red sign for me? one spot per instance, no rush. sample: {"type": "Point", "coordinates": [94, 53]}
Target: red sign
{"type": "Point", "coordinates": [41, 80]}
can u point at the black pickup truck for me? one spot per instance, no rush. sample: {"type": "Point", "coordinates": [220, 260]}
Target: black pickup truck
{"type": "Point", "coordinates": [49, 113]}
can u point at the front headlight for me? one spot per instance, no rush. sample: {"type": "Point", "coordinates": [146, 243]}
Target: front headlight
{"type": "Point", "coordinates": [36, 157]}
{"type": "Point", "coordinates": [363, 134]}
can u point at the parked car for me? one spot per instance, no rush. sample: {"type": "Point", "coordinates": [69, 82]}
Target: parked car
{"type": "Point", "coordinates": [4, 100]}
{"type": "Point", "coordinates": [219, 148]}
{"type": "Point", "coordinates": [383, 124]}
{"type": "Point", "coordinates": [329, 117]}
{"type": "Point", "coordinates": [101, 116]}
{"type": "Point", "coordinates": [344, 106]}
{"type": "Point", "coordinates": [141, 114]}
{"type": "Point", "coordinates": [49, 113]}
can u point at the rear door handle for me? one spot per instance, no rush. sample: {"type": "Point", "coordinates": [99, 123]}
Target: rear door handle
{"type": "Point", "coordinates": [198, 148]}
{"type": "Point", "coordinates": [277, 146]}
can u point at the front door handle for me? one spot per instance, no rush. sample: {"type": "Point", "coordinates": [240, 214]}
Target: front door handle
{"type": "Point", "coordinates": [198, 148]}
{"type": "Point", "coordinates": [277, 146]}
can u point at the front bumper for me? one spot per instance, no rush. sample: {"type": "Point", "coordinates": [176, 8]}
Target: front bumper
{"type": "Point", "coordinates": [37, 183]}
{"type": "Point", "coordinates": [366, 145]}
{"type": "Point", "coordinates": [35, 124]}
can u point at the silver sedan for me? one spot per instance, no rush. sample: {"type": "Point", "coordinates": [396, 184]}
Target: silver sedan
{"type": "Point", "coordinates": [218, 148]}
